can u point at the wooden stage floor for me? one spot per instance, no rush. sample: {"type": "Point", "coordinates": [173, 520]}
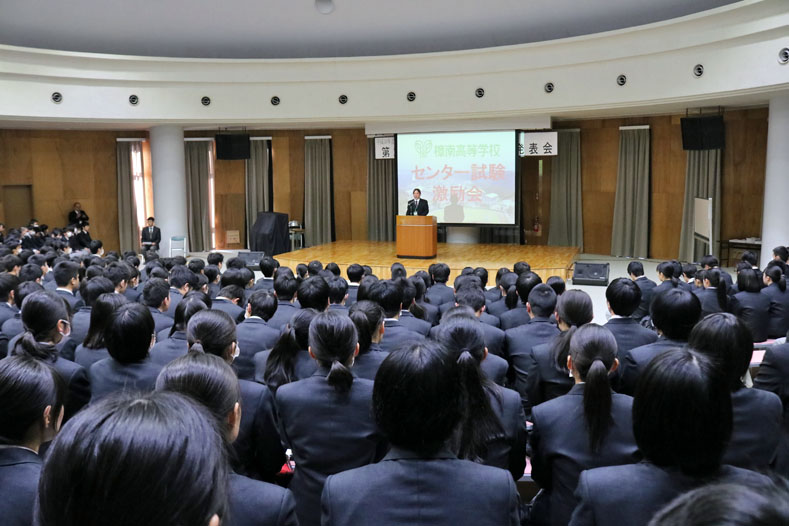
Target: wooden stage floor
{"type": "Point", "coordinates": [545, 261]}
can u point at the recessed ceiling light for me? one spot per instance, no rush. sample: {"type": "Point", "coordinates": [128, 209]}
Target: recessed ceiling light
{"type": "Point", "coordinates": [324, 7]}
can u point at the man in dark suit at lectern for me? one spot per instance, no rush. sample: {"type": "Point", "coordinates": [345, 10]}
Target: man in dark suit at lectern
{"type": "Point", "coordinates": [417, 206]}
{"type": "Point", "coordinates": [151, 236]}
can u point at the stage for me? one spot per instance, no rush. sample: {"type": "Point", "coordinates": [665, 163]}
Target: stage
{"type": "Point", "coordinates": [544, 260]}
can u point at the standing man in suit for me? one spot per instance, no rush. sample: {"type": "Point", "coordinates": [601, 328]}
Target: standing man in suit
{"type": "Point", "coordinates": [417, 206]}
{"type": "Point", "coordinates": [77, 215]}
{"type": "Point", "coordinates": [151, 236]}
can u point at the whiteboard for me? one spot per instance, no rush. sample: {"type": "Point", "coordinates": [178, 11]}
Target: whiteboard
{"type": "Point", "coordinates": [702, 222]}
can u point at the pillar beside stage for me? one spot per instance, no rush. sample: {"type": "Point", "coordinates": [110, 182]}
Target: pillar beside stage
{"type": "Point", "coordinates": [168, 174]}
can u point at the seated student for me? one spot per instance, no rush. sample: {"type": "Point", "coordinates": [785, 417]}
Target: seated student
{"type": "Point", "coordinates": [129, 337]}
{"type": "Point", "coordinates": [90, 290]}
{"type": "Point", "coordinates": [326, 419]}
{"type": "Point", "coordinates": [156, 296]}
{"type": "Point", "coordinates": [338, 294]}
{"type": "Point", "coordinates": [13, 326]}
{"type": "Point", "coordinates": [31, 411]}
{"type": "Point", "coordinates": [589, 427]}
{"type": "Point", "coordinates": [713, 295]}
{"type": "Point", "coordinates": [267, 267]}
{"type": "Point", "coordinates": [493, 294]}
{"type": "Point", "coordinates": [430, 312]}
{"type": "Point", "coordinates": [757, 414]}
{"type": "Point", "coordinates": [689, 274]}
{"type": "Point", "coordinates": [368, 317]}
{"type": "Point", "coordinates": [668, 276]}
{"type": "Point", "coordinates": [709, 262]}
{"type": "Point", "coordinates": [683, 444]}
{"type": "Point", "coordinates": [209, 380]}
{"type": "Point", "coordinates": [119, 274]}
{"type": "Point", "coordinates": [258, 452]}
{"type": "Point", "coordinates": [285, 286]}
{"type": "Point", "coordinates": [750, 305]}
{"type": "Point", "coordinates": [313, 293]}
{"type": "Point", "coordinates": [181, 281]}
{"type": "Point", "coordinates": [493, 425]}
{"type": "Point", "coordinates": [45, 316]}
{"type": "Point", "coordinates": [412, 315]}
{"type": "Point", "coordinates": [418, 404]}
{"type": "Point", "coordinates": [474, 298]}
{"type": "Point", "coordinates": [289, 359]}
{"type": "Point", "coordinates": [181, 449]}
{"type": "Point", "coordinates": [519, 315]}
{"type": "Point", "coordinates": [354, 273]}
{"type": "Point", "coordinates": [470, 281]}
{"type": "Point", "coordinates": [67, 280]}
{"type": "Point", "coordinates": [509, 296]}
{"type": "Point", "coordinates": [8, 309]}
{"type": "Point", "coordinates": [439, 293]}
{"type": "Point", "coordinates": [254, 334]}
{"type": "Point", "coordinates": [557, 284]}
{"type": "Point", "coordinates": [131, 292]}
{"type": "Point", "coordinates": [96, 247]}
{"type": "Point", "coordinates": [635, 270]}
{"type": "Point", "coordinates": [230, 300]}
{"type": "Point", "coordinates": [215, 259]}
{"type": "Point", "coordinates": [389, 295]}
{"type": "Point", "coordinates": [547, 375]}
{"type": "Point", "coordinates": [211, 273]}
{"type": "Point", "coordinates": [775, 289]}
{"type": "Point", "coordinates": [173, 344]}
{"type": "Point", "coordinates": [674, 313]}
{"type": "Point", "coordinates": [94, 348]}
{"type": "Point", "coordinates": [623, 298]}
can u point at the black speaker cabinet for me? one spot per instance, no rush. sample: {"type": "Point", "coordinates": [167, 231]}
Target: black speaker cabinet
{"type": "Point", "coordinates": [251, 259]}
{"type": "Point", "coordinates": [590, 274]}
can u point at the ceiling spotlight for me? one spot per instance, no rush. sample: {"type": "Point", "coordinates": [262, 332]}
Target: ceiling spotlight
{"type": "Point", "coordinates": [324, 7]}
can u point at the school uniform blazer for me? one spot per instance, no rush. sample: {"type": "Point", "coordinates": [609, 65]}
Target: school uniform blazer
{"type": "Point", "coordinates": [328, 432]}
{"type": "Point", "coordinates": [283, 314]}
{"type": "Point", "coordinates": [168, 349]}
{"type": "Point", "coordinates": [507, 450]}
{"type": "Point", "coordinates": [132, 295]}
{"type": "Point", "coordinates": [258, 449]}
{"type": "Point", "coordinates": [70, 297]}
{"type": "Point", "coordinates": [495, 368]}
{"type": "Point", "coordinates": [366, 365]}
{"type": "Point", "coordinates": [87, 357]}
{"type": "Point", "coordinates": [213, 290]}
{"type": "Point", "coordinates": [647, 287]}
{"type": "Point", "coordinates": [432, 313]}
{"type": "Point", "coordinates": [3, 345]}
{"type": "Point", "coordinates": [518, 345]}
{"type": "Point", "coordinates": [160, 320]}
{"type": "Point", "coordinates": [265, 283]}
{"type": "Point", "coordinates": [395, 333]}
{"type": "Point", "coordinates": [256, 503]}
{"type": "Point", "coordinates": [109, 376]}
{"type": "Point", "coordinates": [631, 494]}
{"type": "Point", "coordinates": [560, 450]}
{"type": "Point", "coordinates": [20, 469]}
{"type": "Point", "coordinates": [497, 308]}
{"type": "Point", "coordinates": [254, 336]}
{"type": "Point", "coordinates": [756, 431]}
{"type": "Point", "coordinates": [709, 301]}
{"type": "Point", "coordinates": [304, 366]}
{"type": "Point", "coordinates": [629, 334]}
{"type": "Point", "coordinates": [175, 299]}
{"type": "Point", "coordinates": [514, 317]}
{"type": "Point", "coordinates": [725, 276]}
{"type": "Point", "coordinates": [411, 322]}
{"type": "Point", "coordinates": [544, 380]}
{"type": "Point", "coordinates": [77, 382]}
{"type": "Point", "coordinates": [635, 360]}
{"type": "Point", "coordinates": [753, 308]}
{"type": "Point", "coordinates": [492, 294]}
{"type": "Point", "coordinates": [490, 319]}
{"type": "Point", "coordinates": [235, 312]}
{"type": "Point", "coordinates": [778, 325]}
{"type": "Point", "coordinates": [13, 326]}
{"type": "Point", "coordinates": [339, 309]}
{"type": "Point", "coordinates": [7, 312]}
{"type": "Point", "coordinates": [409, 488]}
{"type": "Point", "coordinates": [494, 337]}
{"type": "Point", "coordinates": [439, 293]}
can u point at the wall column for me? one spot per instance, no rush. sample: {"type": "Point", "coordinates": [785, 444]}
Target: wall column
{"type": "Point", "coordinates": [776, 179]}
{"type": "Point", "coordinates": [168, 173]}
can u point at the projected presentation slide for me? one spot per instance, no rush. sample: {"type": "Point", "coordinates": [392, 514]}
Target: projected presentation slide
{"type": "Point", "coordinates": [467, 178]}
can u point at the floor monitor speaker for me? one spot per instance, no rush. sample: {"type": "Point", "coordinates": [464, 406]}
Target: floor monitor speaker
{"type": "Point", "coordinates": [591, 274]}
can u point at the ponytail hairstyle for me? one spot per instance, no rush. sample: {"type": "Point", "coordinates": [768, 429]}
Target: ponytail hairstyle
{"type": "Point", "coordinates": [333, 340]}
{"type": "Point", "coordinates": [593, 351]}
{"type": "Point", "coordinates": [184, 311]}
{"type": "Point", "coordinates": [748, 280]}
{"type": "Point", "coordinates": [669, 272]}
{"type": "Point", "coordinates": [41, 312]}
{"type": "Point", "coordinates": [574, 308]}
{"type": "Point", "coordinates": [465, 343]}
{"type": "Point", "coordinates": [713, 275]}
{"type": "Point", "coordinates": [507, 285]}
{"type": "Point", "coordinates": [368, 317]}
{"type": "Point", "coordinates": [100, 316]}
{"type": "Point", "coordinates": [776, 276]}
{"type": "Point", "coordinates": [409, 298]}
{"type": "Point", "coordinates": [280, 366]}
{"type": "Point", "coordinates": [206, 378]}
{"type": "Point", "coordinates": [213, 332]}
{"type": "Point", "coordinates": [27, 388]}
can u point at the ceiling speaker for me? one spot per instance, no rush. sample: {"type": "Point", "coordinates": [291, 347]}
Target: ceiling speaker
{"type": "Point", "coordinates": [134, 100]}
{"type": "Point", "coordinates": [343, 99]}
{"type": "Point", "coordinates": [205, 101]}
{"type": "Point", "coordinates": [56, 97]}
{"type": "Point", "coordinates": [479, 92]}
{"type": "Point", "coordinates": [783, 55]}
{"type": "Point", "coordinates": [549, 87]}
{"type": "Point", "coordinates": [275, 101]}
{"type": "Point", "coordinates": [621, 80]}
{"type": "Point", "coordinates": [698, 70]}
{"type": "Point", "coordinates": [411, 96]}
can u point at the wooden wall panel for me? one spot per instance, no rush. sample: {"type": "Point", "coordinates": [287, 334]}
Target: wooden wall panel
{"type": "Point", "coordinates": [349, 155]}
{"type": "Point", "coordinates": [667, 186]}
{"type": "Point", "coordinates": [230, 202]}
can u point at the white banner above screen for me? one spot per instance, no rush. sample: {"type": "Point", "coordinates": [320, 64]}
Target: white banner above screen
{"type": "Point", "coordinates": [538, 144]}
{"type": "Point", "coordinates": [466, 177]}
{"type": "Point", "coordinates": [384, 148]}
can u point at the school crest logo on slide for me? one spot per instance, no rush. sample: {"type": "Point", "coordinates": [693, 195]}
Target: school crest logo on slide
{"type": "Point", "coordinates": [423, 148]}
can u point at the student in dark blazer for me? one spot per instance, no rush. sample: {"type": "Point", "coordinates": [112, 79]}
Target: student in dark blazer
{"type": "Point", "coordinates": [181, 281]}
{"type": "Point", "coordinates": [417, 206]}
{"type": "Point", "coordinates": [285, 287]}
{"type": "Point", "coordinates": [254, 334]}
{"type": "Point", "coordinates": [129, 338]}
{"type": "Point", "coordinates": [90, 290]}
{"type": "Point", "coordinates": [711, 262]}
{"type": "Point", "coordinates": [674, 313]}
{"type": "Point", "coordinates": [520, 315]}
{"type": "Point", "coordinates": [150, 236]}
{"type": "Point", "coordinates": [712, 294]}
{"type": "Point", "coordinates": [624, 297]}
{"type": "Point", "coordinates": [31, 404]}
{"type": "Point", "coordinates": [66, 275]}
{"type": "Point", "coordinates": [267, 267]}
{"type": "Point", "coordinates": [230, 300]}
{"type": "Point", "coordinates": [682, 443]}
{"type": "Point", "coordinates": [388, 294]}
{"type": "Point", "coordinates": [338, 294]}
{"type": "Point", "coordinates": [174, 343]}
{"type": "Point", "coordinates": [635, 270]}
{"type": "Point", "coordinates": [45, 316]}
{"type": "Point", "coordinates": [8, 282]}
{"type": "Point", "coordinates": [13, 326]}
{"type": "Point", "coordinates": [430, 311]}
{"type": "Point", "coordinates": [773, 376]}
{"type": "Point", "coordinates": [775, 289]}
{"type": "Point", "coordinates": [750, 305]}
{"type": "Point", "coordinates": [757, 414]}
{"type": "Point", "coordinates": [156, 297]}
{"type": "Point", "coordinates": [589, 427]}
{"type": "Point", "coordinates": [507, 299]}
{"type": "Point", "coordinates": [327, 418]}
{"type": "Point", "coordinates": [474, 298]}
{"type": "Point", "coordinates": [94, 347]}
{"type": "Point", "coordinates": [368, 317]}
{"type": "Point", "coordinates": [547, 376]}
{"type": "Point", "coordinates": [211, 273]}
{"type": "Point", "coordinates": [258, 451]}
{"type": "Point", "coordinates": [418, 405]}
{"type": "Point", "coordinates": [289, 359]}
{"type": "Point", "coordinates": [212, 382]}
{"type": "Point", "coordinates": [407, 319]}
{"type": "Point", "coordinates": [439, 293]}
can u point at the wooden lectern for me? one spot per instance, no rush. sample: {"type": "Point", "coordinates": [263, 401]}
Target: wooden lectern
{"type": "Point", "coordinates": [416, 236]}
